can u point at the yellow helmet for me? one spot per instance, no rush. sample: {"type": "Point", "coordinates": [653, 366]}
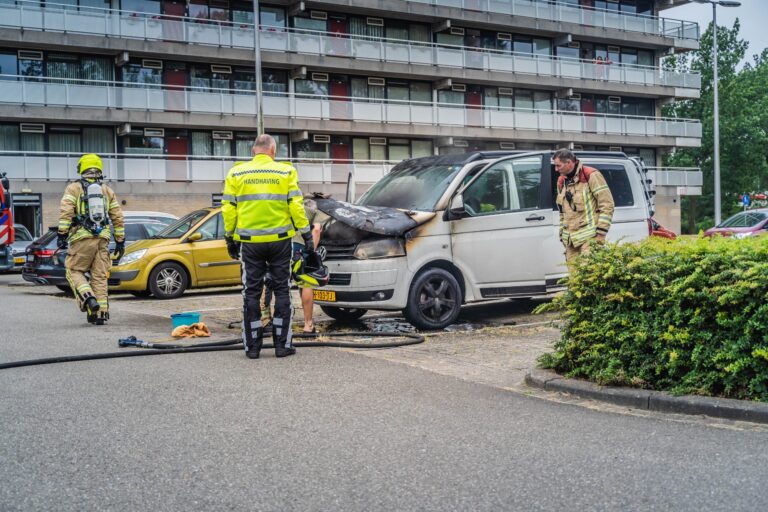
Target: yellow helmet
{"type": "Point", "coordinates": [89, 161]}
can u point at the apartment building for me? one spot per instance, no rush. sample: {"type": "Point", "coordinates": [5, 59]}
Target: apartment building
{"type": "Point", "coordinates": [166, 90]}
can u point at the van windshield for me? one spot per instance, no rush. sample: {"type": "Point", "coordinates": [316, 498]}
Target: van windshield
{"type": "Point", "coordinates": [412, 186]}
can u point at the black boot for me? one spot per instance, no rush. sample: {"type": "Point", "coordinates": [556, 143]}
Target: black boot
{"type": "Point", "coordinates": [102, 319]}
{"type": "Point", "coordinates": [252, 350]}
{"type": "Point", "coordinates": [253, 339]}
{"type": "Point", "coordinates": [281, 350]}
{"type": "Point", "coordinates": [91, 310]}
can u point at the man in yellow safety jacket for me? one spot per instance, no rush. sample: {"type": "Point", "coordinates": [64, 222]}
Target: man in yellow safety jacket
{"type": "Point", "coordinates": [585, 203]}
{"type": "Point", "coordinates": [263, 208]}
{"type": "Point", "coordinates": [85, 214]}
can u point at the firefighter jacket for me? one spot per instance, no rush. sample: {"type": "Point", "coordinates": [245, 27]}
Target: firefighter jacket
{"type": "Point", "coordinates": [585, 204]}
{"type": "Point", "coordinates": [73, 209]}
{"type": "Point", "coordinates": [262, 201]}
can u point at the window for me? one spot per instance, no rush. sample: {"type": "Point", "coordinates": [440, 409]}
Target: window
{"type": "Point", "coordinates": [310, 24]}
{"type": "Point", "coordinates": [244, 80]}
{"type": "Point", "coordinates": [509, 185]}
{"type": "Point", "coordinates": [453, 97]}
{"type": "Point", "coordinates": [421, 148]}
{"type": "Point", "coordinates": [209, 230]}
{"type": "Point", "coordinates": [421, 91]}
{"type": "Point", "coordinates": [137, 143]}
{"type": "Point", "coordinates": [542, 100]}
{"type": "Point", "coordinates": [618, 183]}
{"type": "Point", "coordinates": [542, 47]}
{"type": "Point", "coordinates": [309, 149]}
{"type": "Point", "coordinates": [523, 45]}
{"type": "Point", "coordinates": [64, 139]}
{"type": "Point", "coordinates": [8, 65]}
{"type": "Point", "coordinates": [313, 87]}
{"type": "Point", "coordinates": [141, 6]}
{"type": "Point", "coordinates": [198, 9]}
{"type": "Point", "coordinates": [272, 17]}
{"type": "Point", "coordinates": [567, 52]}
{"type": "Point", "coordinates": [242, 12]}
{"type": "Point", "coordinates": [219, 10]}
{"type": "Point", "coordinates": [201, 144]}
{"type": "Point", "coordinates": [524, 99]}
{"type": "Point", "coordinates": [98, 140]}
{"type": "Point", "coordinates": [274, 81]}
{"type": "Point", "coordinates": [398, 91]}
{"type": "Point", "coordinates": [244, 143]}
{"type": "Point", "coordinates": [133, 232]}
{"type": "Point", "coordinates": [9, 137]}
{"type": "Point", "coordinates": [399, 149]}
{"type": "Point", "coordinates": [134, 73]}
{"type": "Point", "coordinates": [30, 68]}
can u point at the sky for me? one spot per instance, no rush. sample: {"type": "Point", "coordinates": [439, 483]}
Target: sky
{"type": "Point", "coordinates": [752, 14]}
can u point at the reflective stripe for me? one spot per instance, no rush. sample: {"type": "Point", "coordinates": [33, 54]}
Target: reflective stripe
{"type": "Point", "coordinates": [588, 208]}
{"type": "Point", "coordinates": [303, 230]}
{"type": "Point", "coordinates": [600, 188]}
{"type": "Point", "coordinates": [232, 199]}
{"type": "Point", "coordinates": [260, 197]}
{"type": "Point", "coordinates": [260, 232]}
{"type": "Point", "coordinates": [294, 193]}
{"type": "Point", "coordinates": [70, 198]}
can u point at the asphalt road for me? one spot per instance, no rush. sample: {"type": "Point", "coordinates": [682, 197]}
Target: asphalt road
{"type": "Point", "coordinates": [327, 429]}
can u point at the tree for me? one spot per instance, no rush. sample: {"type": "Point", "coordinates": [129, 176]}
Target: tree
{"type": "Point", "coordinates": [743, 124]}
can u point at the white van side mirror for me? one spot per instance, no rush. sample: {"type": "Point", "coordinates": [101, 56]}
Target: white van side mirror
{"type": "Point", "coordinates": [456, 209]}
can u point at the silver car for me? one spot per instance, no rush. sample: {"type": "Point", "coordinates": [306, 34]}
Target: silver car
{"type": "Point", "coordinates": [19, 246]}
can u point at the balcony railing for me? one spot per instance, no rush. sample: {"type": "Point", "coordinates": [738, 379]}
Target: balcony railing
{"type": "Point", "coordinates": [53, 17]}
{"type": "Point", "coordinates": [676, 176]}
{"type": "Point", "coordinates": [442, 55]}
{"type": "Point", "coordinates": [131, 96]}
{"type": "Point", "coordinates": [554, 10]}
{"type": "Point", "coordinates": [52, 166]}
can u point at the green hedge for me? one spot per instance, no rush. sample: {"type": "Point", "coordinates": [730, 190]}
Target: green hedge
{"type": "Point", "coordinates": [686, 316]}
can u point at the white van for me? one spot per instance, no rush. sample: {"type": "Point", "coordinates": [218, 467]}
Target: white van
{"type": "Point", "coordinates": [438, 232]}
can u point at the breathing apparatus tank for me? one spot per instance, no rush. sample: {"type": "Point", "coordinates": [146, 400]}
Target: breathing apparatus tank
{"type": "Point", "coordinates": [95, 214]}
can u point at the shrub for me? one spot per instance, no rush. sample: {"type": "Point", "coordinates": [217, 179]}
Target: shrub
{"type": "Point", "coordinates": [686, 316]}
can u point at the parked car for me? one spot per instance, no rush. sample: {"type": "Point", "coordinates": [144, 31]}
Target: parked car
{"type": "Point", "coordinates": [440, 231]}
{"type": "Point", "coordinates": [19, 246]}
{"type": "Point", "coordinates": [190, 253]}
{"type": "Point", "coordinates": [742, 225]}
{"type": "Point", "coordinates": [660, 231]}
{"type": "Point", "coordinates": [45, 264]}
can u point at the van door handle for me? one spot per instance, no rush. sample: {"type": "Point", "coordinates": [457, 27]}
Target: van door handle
{"type": "Point", "coordinates": [534, 217]}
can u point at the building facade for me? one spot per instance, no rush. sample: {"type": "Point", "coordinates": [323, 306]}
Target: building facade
{"type": "Point", "coordinates": [165, 90]}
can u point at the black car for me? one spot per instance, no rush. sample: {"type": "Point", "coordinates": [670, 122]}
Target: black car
{"type": "Point", "coordinates": [45, 263]}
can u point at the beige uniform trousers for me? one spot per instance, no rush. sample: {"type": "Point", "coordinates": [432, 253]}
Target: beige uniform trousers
{"type": "Point", "coordinates": [89, 255]}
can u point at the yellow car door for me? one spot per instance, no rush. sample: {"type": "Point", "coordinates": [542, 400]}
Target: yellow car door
{"type": "Point", "coordinates": [213, 265]}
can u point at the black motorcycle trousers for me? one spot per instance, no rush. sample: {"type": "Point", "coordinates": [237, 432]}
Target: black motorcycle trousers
{"type": "Point", "coordinates": [256, 260]}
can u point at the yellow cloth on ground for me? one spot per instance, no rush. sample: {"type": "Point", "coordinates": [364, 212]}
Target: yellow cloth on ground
{"type": "Point", "coordinates": [196, 330]}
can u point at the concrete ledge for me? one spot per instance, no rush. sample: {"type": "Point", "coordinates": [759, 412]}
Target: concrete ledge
{"type": "Point", "coordinates": [727, 408]}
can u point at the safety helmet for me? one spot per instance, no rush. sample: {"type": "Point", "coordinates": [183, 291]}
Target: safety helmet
{"type": "Point", "coordinates": [89, 161]}
{"type": "Point", "coordinates": [308, 270]}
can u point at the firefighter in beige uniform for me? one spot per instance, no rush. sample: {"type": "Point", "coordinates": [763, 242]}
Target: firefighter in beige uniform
{"type": "Point", "coordinates": [86, 212]}
{"type": "Point", "coordinates": [585, 203]}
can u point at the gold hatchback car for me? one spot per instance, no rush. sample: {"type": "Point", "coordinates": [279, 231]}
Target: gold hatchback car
{"type": "Point", "coordinates": [189, 253]}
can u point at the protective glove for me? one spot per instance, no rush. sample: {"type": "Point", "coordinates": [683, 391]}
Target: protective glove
{"type": "Point", "coordinates": [61, 241]}
{"type": "Point", "coordinates": [119, 250]}
{"type": "Point", "coordinates": [233, 248]}
{"type": "Point", "coordinates": [309, 244]}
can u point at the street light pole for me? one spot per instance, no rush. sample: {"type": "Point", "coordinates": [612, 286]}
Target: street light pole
{"type": "Point", "coordinates": [716, 113]}
{"type": "Point", "coordinates": [718, 208]}
{"type": "Point", "coordinates": [257, 69]}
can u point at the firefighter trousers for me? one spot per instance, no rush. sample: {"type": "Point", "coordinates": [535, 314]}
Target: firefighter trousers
{"type": "Point", "coordinates": [89, 255]}
{"type": "Point", "coordinates": [258, 259]}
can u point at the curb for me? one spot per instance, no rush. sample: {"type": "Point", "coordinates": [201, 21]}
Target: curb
{"type": "Point", "coordinates": [728, 408]}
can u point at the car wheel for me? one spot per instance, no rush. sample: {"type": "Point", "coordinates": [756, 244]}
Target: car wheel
{"type": "Point", "coordinates": [141, 294]}
{"type": "Point", "coordinates": [434, 300]}
{"type": "Point", "coordinates": [168, 280]}
{"type": "Point", "coordinates": [340, 313]}
{"type": "Point", "coordinates": [66, 289]}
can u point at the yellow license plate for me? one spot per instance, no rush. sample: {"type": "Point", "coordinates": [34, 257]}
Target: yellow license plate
{"type": "Point", "coordinates": [19, 259]}
{"type": "Point", "coordinates": [324, 295]}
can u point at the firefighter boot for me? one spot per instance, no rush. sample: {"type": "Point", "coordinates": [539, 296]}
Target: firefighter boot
{"type": "Point", "coordinates": [102, 318]}
{"type": "Point", "coordinates": [91, 309]}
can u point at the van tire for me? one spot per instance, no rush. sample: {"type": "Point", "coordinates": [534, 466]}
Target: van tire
{"type": "Point", "coordinates": [175, 278]}
{"type": "Point", "coordinates": [432, 284]}
{"type": "Point", "coordinates": [339, 313]}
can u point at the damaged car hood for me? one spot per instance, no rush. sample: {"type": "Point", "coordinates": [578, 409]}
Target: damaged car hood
{"type": "Point", "coordinates": [373, 219]}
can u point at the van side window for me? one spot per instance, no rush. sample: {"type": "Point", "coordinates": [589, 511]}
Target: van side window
{"type": "Point", "coordinates": [507, 186]}
{"type": "Point", "coordinates": [618, 182]}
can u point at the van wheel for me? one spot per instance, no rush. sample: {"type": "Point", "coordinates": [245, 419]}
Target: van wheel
{"type": "Point", "coordinates": [434, 300]}
{"type": "Point", "coordinates": [168, 280]}
{"type": "Point", "coordinates": [339, 313]}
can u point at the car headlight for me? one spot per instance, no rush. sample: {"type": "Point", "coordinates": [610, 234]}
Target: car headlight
{"type": "Point", "coordinates": [742, 235]}
{"type": "Point", "coordinates": [132, 256]}
{"type": "Point", "coordinates": [383, 248]}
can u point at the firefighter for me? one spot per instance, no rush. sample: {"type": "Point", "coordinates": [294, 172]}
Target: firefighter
{"type": "Point", "coordinates": [263, 208]}
{"type": "Point", "coordinates": [585, 203]}
{"type": "Point", "coordinates": [88, 212]}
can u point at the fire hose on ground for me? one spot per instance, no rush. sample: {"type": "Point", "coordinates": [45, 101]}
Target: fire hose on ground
{"type": "Point", "coordinates": [229, 344]}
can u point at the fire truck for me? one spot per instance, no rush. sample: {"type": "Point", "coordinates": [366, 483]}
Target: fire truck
{"type": "Point", "coordinates": [6, 224]}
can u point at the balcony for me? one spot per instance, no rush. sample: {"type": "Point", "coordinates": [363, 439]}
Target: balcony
{"type": "Point", "coordinates": [57, 92]}
{"type": "Point", "coordinates": [53, 17]}
{"type": "Point", "coordinates": [688, 177]}
{"type": "Point", "coordinates": [441, 55]}
{"type": "Point", "coordinates": [561, 12]}
{"type": "Point", "coordinates": [48, 166]}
